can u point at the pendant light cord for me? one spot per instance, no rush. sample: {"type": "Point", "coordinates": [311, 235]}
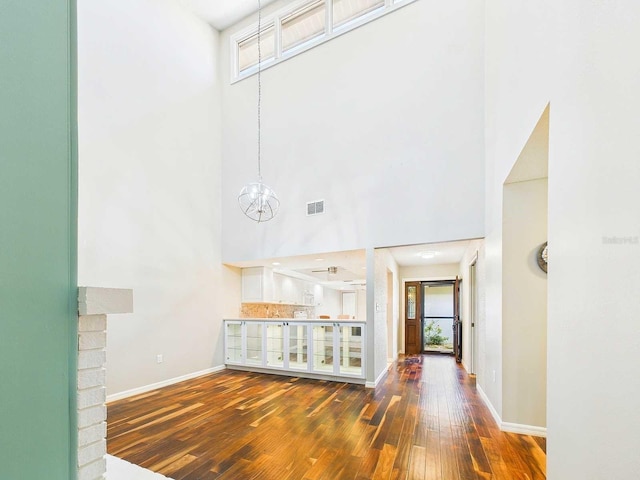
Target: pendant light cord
{"type": "Point", "coordinates": [259, 89]}
{"type": "Point", "coordinates": [257, 200]}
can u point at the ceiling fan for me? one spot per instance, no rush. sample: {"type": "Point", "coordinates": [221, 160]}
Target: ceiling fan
{"type": "Point", "coordinates": [329, 270]}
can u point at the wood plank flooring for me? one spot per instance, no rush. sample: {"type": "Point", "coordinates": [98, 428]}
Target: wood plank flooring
{"type": "Point", "coordinates": [425, 422]}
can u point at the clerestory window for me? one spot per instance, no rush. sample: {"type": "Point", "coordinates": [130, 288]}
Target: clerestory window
{"type": "Point", "coordinates": [299, 27]}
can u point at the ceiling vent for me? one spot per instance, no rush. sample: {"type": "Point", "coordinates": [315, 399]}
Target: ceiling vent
{"type": "Point", "coordinates": [315, 208]}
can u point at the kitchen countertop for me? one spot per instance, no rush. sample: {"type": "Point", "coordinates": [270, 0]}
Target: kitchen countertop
{"type": "Point", "coordinates": [280, 319]}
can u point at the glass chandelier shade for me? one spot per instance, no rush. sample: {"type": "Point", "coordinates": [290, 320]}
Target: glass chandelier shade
{"type": "Point", "coordinates": [258, 202]}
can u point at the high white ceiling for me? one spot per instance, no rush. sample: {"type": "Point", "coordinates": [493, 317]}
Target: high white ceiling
{"type": "Point", "coordinates": [223, 13]}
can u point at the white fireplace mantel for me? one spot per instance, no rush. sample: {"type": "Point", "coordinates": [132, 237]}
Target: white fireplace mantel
{"type": "Point", "coordinates": [104, 301]}
{"type": "Point", "coordinates": [94, 304]}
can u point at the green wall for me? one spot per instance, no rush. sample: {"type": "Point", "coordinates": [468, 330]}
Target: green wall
{"type": "Point", "coordinates": [38, 204]}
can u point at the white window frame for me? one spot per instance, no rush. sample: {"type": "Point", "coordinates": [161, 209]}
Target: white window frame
{"type": "Point", "coordinates": [276, 19]}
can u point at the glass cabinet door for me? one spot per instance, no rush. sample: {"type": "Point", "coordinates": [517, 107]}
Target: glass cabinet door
{"type": "Point", "coordinates": [234, 342]}
{"type": "Point", "coordinates": [254, 343]}
{"type": "Point", "coordinates": [298, 347]}
{"type": "Point", "coordinates": [275, 345]}
{"type": "Point", "coordinates": [350, 347]}
{"type": "Point", "coordinates": [323, 348]}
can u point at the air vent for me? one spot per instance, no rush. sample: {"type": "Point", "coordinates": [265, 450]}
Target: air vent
{"type": "Point", "coordinates": [315, 208]}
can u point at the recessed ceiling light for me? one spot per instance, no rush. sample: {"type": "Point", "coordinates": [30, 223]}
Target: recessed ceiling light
{"type": "Point", "coordinates": [429, 254]}
{"type": "Point", "coordinates": [275, 263]}
{"type": "Point", "coordinates": [319, 259]}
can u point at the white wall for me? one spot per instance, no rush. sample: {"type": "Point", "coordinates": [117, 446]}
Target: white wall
{"type": "Point", "coordinates": [518, 63]}
{"type": "Point", "coordinates": [149, 174]}
{"type": "Point", "coordinates": [331, 303]}
{"type": "Point", "coordinates": [580, 56]}
{"type": "Point", "coordinates": [378, 122]}
{"type": "Point", "coordinates": [594, 149]}
{"type": "Point", "coordinates": [361, 295]}
{"type": "Point", "coordinates": [524, 304]}
{"type": "Point", "coordinates": [377, 303]}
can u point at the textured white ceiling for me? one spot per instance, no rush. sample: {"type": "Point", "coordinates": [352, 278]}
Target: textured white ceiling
{"type": "Point", "coordinates": [223, 13]}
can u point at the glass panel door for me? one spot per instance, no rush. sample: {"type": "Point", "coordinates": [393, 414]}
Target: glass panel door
{"type": "Point", "coordinates": [350, 348]}
{"type": "Point", "coordinates": [323, 348]}
{"type": "Point", "coordinates": [298, 347]}
{"type": "Point", "coordinates": [234, 342]}
{"type": "Point", "coordinates": [275, 345]}
{"type": "Point", "coordinates": [254, 343]}
{"type": "Point", "coordinates": [438, 317]}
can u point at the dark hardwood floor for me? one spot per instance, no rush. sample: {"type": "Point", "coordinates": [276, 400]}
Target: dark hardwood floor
{"type": "Point", "coordinates": [426, 421]}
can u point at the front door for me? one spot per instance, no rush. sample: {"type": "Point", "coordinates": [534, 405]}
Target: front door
{"type": "Point", "coordinates": [412, 318]}
{"type": "Point", "coordinates": [457, 324]}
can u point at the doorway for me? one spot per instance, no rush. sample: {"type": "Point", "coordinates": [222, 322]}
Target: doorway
{"type": "Point", "coordinates": [432, 317]}
{"type": "Point", "coordinates": [438, 317]}
{"type": "Point", "coordinates": [392, 353]}
{"type": "Point", "coordinates": [473, 315]}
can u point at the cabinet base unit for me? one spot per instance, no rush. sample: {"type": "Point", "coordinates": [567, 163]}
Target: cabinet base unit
{"type": "Point", "coordinates": [312, 348]}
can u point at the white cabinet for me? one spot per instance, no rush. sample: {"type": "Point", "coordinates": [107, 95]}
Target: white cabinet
{"type": "Point", "coordinates": [244, 343]}
{"type": "Point", "coordinates": [255, 343]}
{"type": "Point", "coordinates": [257, 285]}
{"type": "Point", "coordinates": [234, 342]}
{"type": "Point", "coordinates": [309, 294]}
{"type": "Point", "coordinates": [287, 289]}
{"type": "Point", "coordinates": [297, 346]}
{"type": "Point", "coordinates": [275, 333]}
{"type": "Point", "coordinates": [338, 349]}
{"type": "Point", "coordinates": [335, 350]}
{"type": "Point", "coordinates": [262, 285]}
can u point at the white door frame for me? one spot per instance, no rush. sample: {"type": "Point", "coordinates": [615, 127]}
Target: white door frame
{"type": "Point", "coordinates": [473, 313]}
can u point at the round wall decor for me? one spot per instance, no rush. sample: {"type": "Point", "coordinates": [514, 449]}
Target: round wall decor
{"type": "Point", "coordinates": [542, 257]}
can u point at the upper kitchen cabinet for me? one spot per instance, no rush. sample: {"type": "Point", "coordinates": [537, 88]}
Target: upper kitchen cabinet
{"type": "Point", "coordinates": [286, 289]}
{"type": "Point", "coordinates": [263, 285]}
{"type": "Point", "coordinates": [257, 285]}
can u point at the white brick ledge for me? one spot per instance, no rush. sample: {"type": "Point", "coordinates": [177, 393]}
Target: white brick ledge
{"type": "Point", "coordinates": [100, 301]}
{"type": "Point", "coordinates": [93, 306]}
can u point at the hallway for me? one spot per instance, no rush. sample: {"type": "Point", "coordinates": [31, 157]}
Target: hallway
{"type": "Point", "coordinates": [426, 421]}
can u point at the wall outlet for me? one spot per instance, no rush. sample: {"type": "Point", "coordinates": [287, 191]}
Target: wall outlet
{"type": "Point", "coordinates": [160, 359]}
{"type": "Point", "coordinates": [494, 376]}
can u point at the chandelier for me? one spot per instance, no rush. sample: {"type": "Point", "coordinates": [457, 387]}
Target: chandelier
{"type": "Point", "coordinates": [257, 200]}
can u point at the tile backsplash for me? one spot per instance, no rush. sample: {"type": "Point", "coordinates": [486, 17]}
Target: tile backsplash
{"type": "Point", "coordinates": [274, 310]}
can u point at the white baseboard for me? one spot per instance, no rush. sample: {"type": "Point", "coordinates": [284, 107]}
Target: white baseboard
{"type": "Point", "coordinates": [379, 379]}
{"type": "Point", "coordinates": [489, 405]}
{"type": "Point", "coordinates": [523, 429]}
{"type": "Point", "coordinates": [510, 427]}
{"type": "Point", "coordinates": [464, 365]}
{"type": "Point", "coordinates": [164, 383]}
